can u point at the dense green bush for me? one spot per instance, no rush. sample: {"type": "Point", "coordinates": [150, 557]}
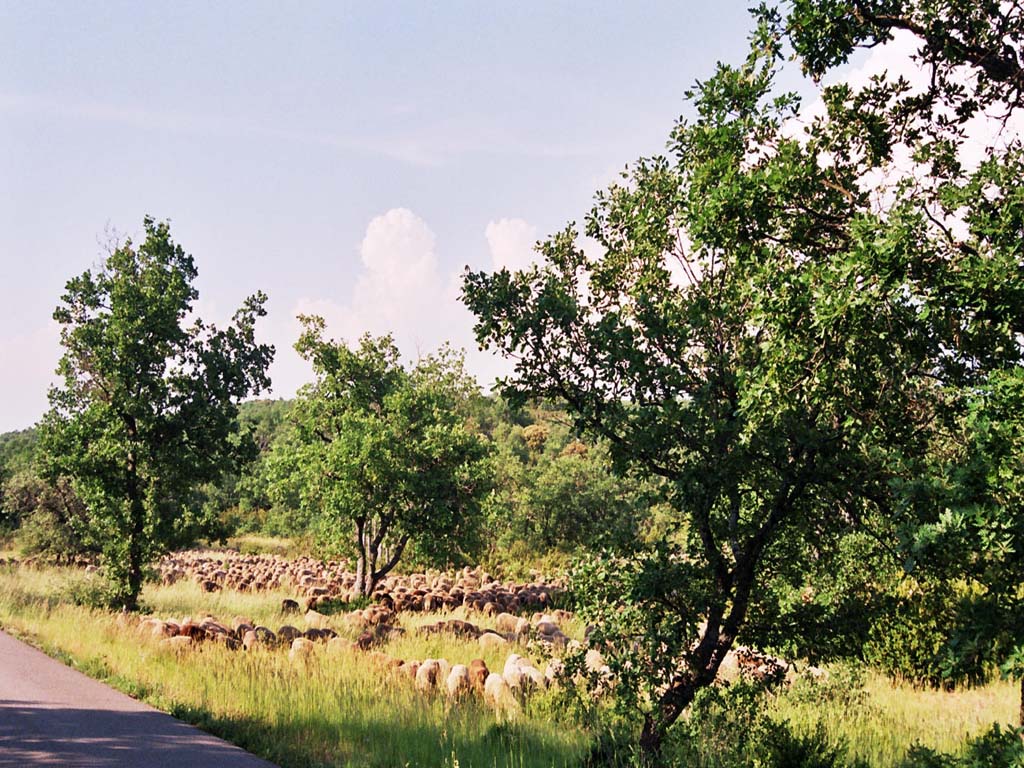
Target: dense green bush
{"type": "Point", "coordinates": [48, 516]}
{"type": "Point", "coordinates": [997, 748]}
{"type": "Point", "coordinates": [913, 641]}
{"type": "Point", "coordinates": [555, 493]}
{"type": "Point", "coordinates": [727, 727]}
{"type": "Point", "coordinates": [843, 685]}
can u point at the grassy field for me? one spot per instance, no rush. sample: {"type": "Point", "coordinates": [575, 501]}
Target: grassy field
{"type": "Point", "coordinates": [339, 710]}
{"type": "Point", "coordinates": [891, 718]}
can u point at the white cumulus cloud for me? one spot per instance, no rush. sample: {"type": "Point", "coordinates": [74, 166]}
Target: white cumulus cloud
{"type": "Point", "coordinates": [403, 289]}
{"type": "Point", "coordinates": [511, 242]}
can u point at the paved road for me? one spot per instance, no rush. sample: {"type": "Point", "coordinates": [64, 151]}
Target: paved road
{"type": "Point", "coordinates": [52, 715]}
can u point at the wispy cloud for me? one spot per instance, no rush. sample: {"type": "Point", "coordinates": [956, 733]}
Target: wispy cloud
{"type": "Point", "coordinates": [432, 145]}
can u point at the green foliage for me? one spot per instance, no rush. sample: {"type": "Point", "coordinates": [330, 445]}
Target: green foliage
{"type": "Point", "coordinates": [49, 517]}
{"type": "Point", "coordinates": [17, 451]}
{"type": "Point", "coordinates": [146, 411]}
{"type": "Point", "coordinates": [724, 727]}
{"type": "Point", "coordinates": [384, 459]}
{"type": "Point", "coordinates": [998, 748]}
{"type": "Point", "coordinates": [727, 727]}
{"type": "Point", "coordinates": [842, 685]}
{"type": "Point", "coordinates": [822, 605]}
{"type": "Point", "coordinates": [974, 533]}
{"type": "Point", "coordinates": [89, 590]}
{"type": "Point", "coordinates": [785, 749]}
{"type": "Point", "coordinates": [916, 639]}
{"type": "Point", "coordinates": [555, 493]}
{"type": "Point", "coordinates": [786, 352]}
{"type": "Point", "coordinates": [17, 455]}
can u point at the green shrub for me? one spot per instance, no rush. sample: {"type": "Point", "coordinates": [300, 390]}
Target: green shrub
{"type": "Point", "coordinates": [842, 684]}
{"type": "Point", "coordinates": [922, 757]}
{"type": "Point", "coordinates": [44, 534]}
{"type": "Point", "coordinates": [908, 645]}
{"type": "Point", "coordinates": [723, 728]}
{"type": "Point", "coordinates": [782, 748]}
{"type": "Point", "coordinates": [996, 748]}
{"type": "Point", "coordinates": [89, 590]}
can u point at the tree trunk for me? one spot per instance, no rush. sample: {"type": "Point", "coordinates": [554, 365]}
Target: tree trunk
{"type": "Point", "coordinates": [656, 724]}
{"type": "Point", "coordinates": [384, 570]}
{"type": "Point", "coordinates": [360, 585]}
{"type": "Point", "coordinates": [132, 586]}
{"type": "Point", "coordinates": [716, 641]}
{"type": "Point", "coordinates": [650, 742]}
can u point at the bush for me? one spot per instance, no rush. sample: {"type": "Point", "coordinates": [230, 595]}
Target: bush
{"type": "Point", "coordinates": [997, 748]}
{"type": "Point", "coordinates": [89, 590]}
{"type": "Point", "coordinates": [49, 516]}
{"type": "Point", "coordinates": [785, 749]}
{"type": "Point", "coordinates": [723, 728]}
{"type": "Point", "coordinates": [727, 727]}
{"type": "Point", "coordinates": [842, 684]}
{"type": "Point", "coordinates": [909, 644]}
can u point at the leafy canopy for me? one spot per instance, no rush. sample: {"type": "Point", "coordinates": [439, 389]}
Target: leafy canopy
{"type": "Point", "coordinates": [779, 339]}
{"type": "Point", "coordinates": [146, 409]}
{"type": "Point", "coordinates": [383, 456]}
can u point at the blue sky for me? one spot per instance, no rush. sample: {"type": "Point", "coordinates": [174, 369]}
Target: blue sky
{"type": "Point", "coordinates": [347, 159]}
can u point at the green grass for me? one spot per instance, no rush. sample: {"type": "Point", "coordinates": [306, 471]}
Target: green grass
{"type": "Point", "coordinates": [339, 710]}
{"type": "Point", "coordinates": [893, 717]}
{"type": "Point", "coordinates": [335, 710]}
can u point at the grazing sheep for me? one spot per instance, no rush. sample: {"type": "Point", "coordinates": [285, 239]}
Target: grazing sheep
{"type": "Point", "coordinates": [178, 644]}
{"type": "Point", "coordinates": [478, 673]}
{"type": "Point", "coordinates": [301, 649]}
{"type": "Point", "coordinates": [427, 674]}
{"type": "Point", "coordinates": [512, 662]}
{"type": "Point", "coordinates": [595, 661]}
{"type": "Point", "coordinates": [458, 683]}
{"type": "Point", "coordinates": [489, 640]}
{"type": "Point", "coordinates": [506, 622]}
{"type": "Point", "coordinates": [535, 677]}
{"type": "Point", "coordinates": [315, 620]}
{"type": "Point", "coordinates": [443, 669]}
{"type": "Point", "coordinates": [554, 671]}
{"type": "Point", "coordinates": [410, 668]}
{"type": "Point", "coordinates": [265, 635]}
{"type": "Point", "coordinates": [498, 695]}
{"type": "Point", "coordinates": [340, 645]}
{"type": "Point", "coordinates": [547, 628]}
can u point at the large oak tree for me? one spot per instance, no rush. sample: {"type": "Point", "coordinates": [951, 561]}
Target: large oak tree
{"type": "Point", "coordinates": [779, 321]}
{"type": "Point", "coordinates": [146, 409]}
{"type": "Point", "coordinates": [384, 458]}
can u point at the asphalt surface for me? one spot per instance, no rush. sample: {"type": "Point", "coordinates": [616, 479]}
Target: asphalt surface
{"type": "Point", "coordinates": [53, 715]}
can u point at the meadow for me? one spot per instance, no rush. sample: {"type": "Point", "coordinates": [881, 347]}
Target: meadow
{"type": "Point", "coordinates": [339, 709]}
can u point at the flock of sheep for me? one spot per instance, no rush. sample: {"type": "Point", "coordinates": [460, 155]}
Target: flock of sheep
{"type": "Point", "coordinates": [316, 583]}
